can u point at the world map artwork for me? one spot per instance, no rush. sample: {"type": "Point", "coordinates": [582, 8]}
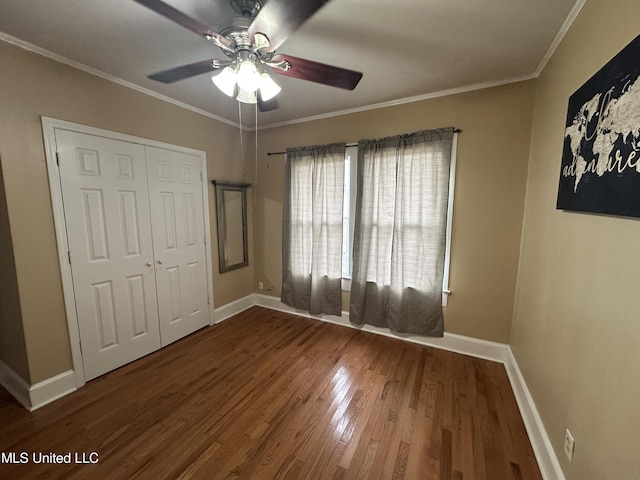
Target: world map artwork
{"type": "Point", "coordinates": [601, 156]}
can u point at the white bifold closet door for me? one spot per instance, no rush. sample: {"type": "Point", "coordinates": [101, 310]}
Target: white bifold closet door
{"type": "Point", "coordinates": [135, 228]}
{"type": "Point", "coordinates": [177, 220]}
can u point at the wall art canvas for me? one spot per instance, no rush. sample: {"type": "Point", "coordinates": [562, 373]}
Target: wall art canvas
{"type": "Point", "coordinates": [601, 155]}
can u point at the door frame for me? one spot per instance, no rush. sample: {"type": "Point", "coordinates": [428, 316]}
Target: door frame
{"type": "Point", "coordinates": [49, 126]}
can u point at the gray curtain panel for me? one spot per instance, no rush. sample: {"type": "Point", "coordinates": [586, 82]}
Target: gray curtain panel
{"type": "Point", "coordinates": [400, 230]}
{"type": "Point", "coordinates": [312, 229]}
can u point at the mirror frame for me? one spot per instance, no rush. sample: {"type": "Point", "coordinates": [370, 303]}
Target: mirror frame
{"type": "Point", "coordinates": [221, 187]}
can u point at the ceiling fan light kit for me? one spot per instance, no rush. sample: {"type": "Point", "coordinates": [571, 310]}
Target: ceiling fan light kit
{"type": "Point", "coordinates": [247, 76]}
{"type": "Point", "coordinates": [268, 88]}
{"type": "Point", "coordinates": [226, 81]}
{"type": "Point", "coordinates": [251, 42]}
{"type": "Point", "coordinates": [245, 96]}
{"type": "Point", "coordinates": [248, 80]}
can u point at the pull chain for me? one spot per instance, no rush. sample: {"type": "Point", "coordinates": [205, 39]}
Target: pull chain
{"type": "Point", "coordinates": [255, 176]}
{"type": "Point", "coordinates": [241, 138]}
{"type": "Point", "coordinates": [255, 180]}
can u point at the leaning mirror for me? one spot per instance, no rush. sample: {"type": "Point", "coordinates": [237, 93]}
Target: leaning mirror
{"type": "Point", "coordinates": [231, 208]}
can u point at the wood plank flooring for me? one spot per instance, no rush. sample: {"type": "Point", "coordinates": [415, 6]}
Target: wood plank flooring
{"type": "Point", "coordinates": [267, 395]}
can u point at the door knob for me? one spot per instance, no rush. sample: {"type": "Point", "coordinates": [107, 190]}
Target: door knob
{"type": "Point", "coordinates": [149, 264]}
{"type": "Point", "coordinates": [159, 262]}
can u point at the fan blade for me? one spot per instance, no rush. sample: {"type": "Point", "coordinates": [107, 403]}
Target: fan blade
{"type": "Point", "coordinates": [278, 19]}
{"type": "Point", "coordinates": [185, 71]}
{"type": "Point", "coordinates": [180, 18]}
{"type": "Point", "coordinates": [318, 72]}
{"type": "Point", "coordinates": [266, 105]}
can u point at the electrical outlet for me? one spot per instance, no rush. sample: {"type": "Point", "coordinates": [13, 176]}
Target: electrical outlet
{"type": "Point", "coordinates": [569, 444]}
{"type": "Point", "coordinates": [260, 285]}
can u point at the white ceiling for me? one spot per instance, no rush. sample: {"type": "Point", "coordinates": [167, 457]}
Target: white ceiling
{"type": "Point", "coordinates": [406, 49]}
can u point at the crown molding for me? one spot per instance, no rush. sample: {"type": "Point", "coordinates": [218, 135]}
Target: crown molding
{"type": "Point", "coordinates": [111, 78]}
{"type": "Point", "coordinates": [402, 101]}
{"type": "Point", "coordinates": [573, 14]}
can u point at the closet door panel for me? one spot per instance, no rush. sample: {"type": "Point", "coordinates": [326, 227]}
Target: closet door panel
{"type": "Point", "coordinates": [177, 213]}
{"type": "Point", "coordinates": [106, 204]}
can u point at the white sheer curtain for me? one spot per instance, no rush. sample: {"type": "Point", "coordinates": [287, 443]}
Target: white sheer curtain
{"type": "Point", "coordinates": [312, 228]}
{"type": "Point", "coordinates": [400, 231]}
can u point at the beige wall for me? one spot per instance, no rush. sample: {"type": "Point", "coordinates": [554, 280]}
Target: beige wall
{"type": "Point", "coordinates": [12, 347]}
{"type": "Point", "coordinates": [491, 176]}
{"type": "Point", "coordinates": [32, 86]}
{"type": "Point", "coordinates": [576, 323]}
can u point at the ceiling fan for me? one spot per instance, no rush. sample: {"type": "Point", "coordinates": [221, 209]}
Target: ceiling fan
{"type": "Point", "coordinates": [250, 43]}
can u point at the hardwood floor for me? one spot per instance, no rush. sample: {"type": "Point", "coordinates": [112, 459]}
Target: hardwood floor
{"type": "Point", "coordinates": [268, 395]}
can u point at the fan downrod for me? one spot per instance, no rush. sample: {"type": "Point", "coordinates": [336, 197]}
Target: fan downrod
{"type": "Point", "coordinates": [246, 8]}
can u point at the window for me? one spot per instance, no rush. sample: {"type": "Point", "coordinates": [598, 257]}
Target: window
{"type": "Point", "coordinates": [349, 206]}
{"type": "Point", "coordinates": [348, 219]}
{"type": "Point", "coordinates": [400, 231]}
{"type": "Point", "coordinates": [312, 228]}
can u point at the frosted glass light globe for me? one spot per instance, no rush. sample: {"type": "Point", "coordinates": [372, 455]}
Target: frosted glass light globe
{"type": "Point", "coordinates": [226, 81]}
{"type": "Point", "coordinates": [248, 77]}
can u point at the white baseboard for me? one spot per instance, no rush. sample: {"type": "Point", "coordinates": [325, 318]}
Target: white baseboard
{"type": "Point", "coordinates": [39, 394]}
{"type": "Point", "coordinates": [476, 347]}
{"type": "Point", "coordinates": [15, 385]}
{"type": "Point", "coordinates": [52, 389]}
{"type": "Point", "coordinates": [497, 352]}
{"type": "Point", "coordinates": [230, 309]}
{"type": "Point", "coordinates": [542, 448]}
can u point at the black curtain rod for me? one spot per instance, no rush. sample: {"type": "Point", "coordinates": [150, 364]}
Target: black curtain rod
{"type": "Point", "coordinates": [457, 130]}
{"type": "Point", "coordinates": [282, 153]}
